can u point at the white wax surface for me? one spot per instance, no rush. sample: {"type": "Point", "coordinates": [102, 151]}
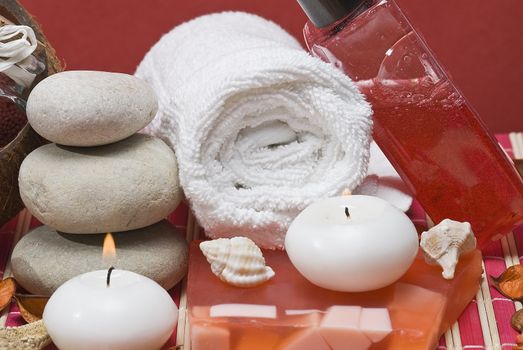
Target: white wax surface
{"type": "Point", "coordinates": [330, 212]}
{"type": "Point", "coordinates": [134, 312]}
{"type": "Point", "coordinates": [370, 249]}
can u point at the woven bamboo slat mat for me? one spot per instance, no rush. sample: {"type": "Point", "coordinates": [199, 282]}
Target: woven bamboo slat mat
{"type": "Point", "coordinates": [485, 324]}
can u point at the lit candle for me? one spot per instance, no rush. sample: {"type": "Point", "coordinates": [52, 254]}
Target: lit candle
{"type": "Point", "coordinates": [352, 243]}
{"type": "Point", "coordinates": [110, 309]}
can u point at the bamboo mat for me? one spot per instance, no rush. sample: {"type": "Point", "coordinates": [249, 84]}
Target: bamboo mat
{"type": "Point", "coordinates": [485, 324]}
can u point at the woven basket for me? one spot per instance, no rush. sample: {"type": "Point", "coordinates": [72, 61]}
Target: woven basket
{"type": "Point", "coordinates": [12, 154]}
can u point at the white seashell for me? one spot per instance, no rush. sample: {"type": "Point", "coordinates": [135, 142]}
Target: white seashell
{"type": "Point", "coordinates": [444, 243]}
{"type": "Point", "coordinates": [237, 261]}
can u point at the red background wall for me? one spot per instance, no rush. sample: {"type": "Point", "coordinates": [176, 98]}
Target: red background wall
{"type": "Point", "coordinates": [480, 43]}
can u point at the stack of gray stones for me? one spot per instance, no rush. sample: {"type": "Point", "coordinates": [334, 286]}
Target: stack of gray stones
{"type": "Point", "coordinates": [97, 176]}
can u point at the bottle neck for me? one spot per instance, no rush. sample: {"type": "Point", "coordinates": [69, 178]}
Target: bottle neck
{"type": "Point", "coordinates": [325, 13]}
{"type": "Point", "coordinates": [314, 34]}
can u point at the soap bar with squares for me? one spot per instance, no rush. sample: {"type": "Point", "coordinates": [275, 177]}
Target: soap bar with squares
{"type": "Point", "coordinates": [307, 339]}
{"type": "Point", "coordinates": [288, 312]}
{"type": "Point", "coordinates": [375, 323]}
{"type": "Point", "coordinates": [341, 326]}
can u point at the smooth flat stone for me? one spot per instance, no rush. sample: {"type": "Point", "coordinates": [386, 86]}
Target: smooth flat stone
{"type": "Point", "coordinates": [118, 187]}
{"type": "Point", "coordinates": [410, 314]}
{"type": "Point", "coordinates": [44, 259]}
{"type": "Point", "coordinates": [90, 108]}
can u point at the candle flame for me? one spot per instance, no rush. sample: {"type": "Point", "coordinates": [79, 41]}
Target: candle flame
{"type": "Point", "coordinates": [346, 192]}
{"type": "Point", "coordinates": [109, 250]}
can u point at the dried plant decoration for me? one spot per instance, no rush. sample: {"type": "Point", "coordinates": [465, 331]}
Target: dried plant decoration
{"type": "Point", "coordinates": [519, 342]}
{"type": "Point", "coordinates": [517, 321]}
{"type": "Point", "coordinates": [32, 336]}
{"type": "Point", "coordinates": [510, 283]}
{"type": "Point", "coordinates": [7, 291]}
{"type": "Point", "coordinates": [31, 306]}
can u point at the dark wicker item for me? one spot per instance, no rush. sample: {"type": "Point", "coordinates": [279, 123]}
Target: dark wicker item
{"type": "Point", "coordinates": [11, 155]}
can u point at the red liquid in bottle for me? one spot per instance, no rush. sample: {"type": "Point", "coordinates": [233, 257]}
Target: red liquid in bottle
{"type": "Point", "coordinates": [477, 183]}
{"type": "Point", "coordinates": [422, 122]}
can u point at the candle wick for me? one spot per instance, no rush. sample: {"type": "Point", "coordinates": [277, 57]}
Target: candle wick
{"type": "Point", "coordinates": [347, 213]}
{"type": "Point", "coordinates": [109, 276]}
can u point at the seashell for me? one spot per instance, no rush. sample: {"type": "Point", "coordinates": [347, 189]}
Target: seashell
{"type": "Point", "coordinates": [32, 336]}
{"type": "Point", "coordinates": [444, 243]}
{"type": "Point", "coordinates": [237, 261]}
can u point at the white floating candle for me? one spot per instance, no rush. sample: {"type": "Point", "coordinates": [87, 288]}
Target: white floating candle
{"type": "Point", "coordinates": [133, 313]}
{"type": "Point", "coordinates": [352, 243]}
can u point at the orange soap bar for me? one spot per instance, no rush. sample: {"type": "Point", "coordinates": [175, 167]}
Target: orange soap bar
{"type": "Point", "coordinates": [341, 326]}
{"type": "Point", "coordinates": [307, 339]}
{"type": "Point", "coordinates": [289, 313]}
{"type": "Point", "coordinates": [205, 337]}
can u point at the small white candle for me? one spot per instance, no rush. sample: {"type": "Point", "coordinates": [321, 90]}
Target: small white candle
{"type": "Point", "coordinates": [352, 243]}
{"type": "Point", "coordinates": [133, 312]}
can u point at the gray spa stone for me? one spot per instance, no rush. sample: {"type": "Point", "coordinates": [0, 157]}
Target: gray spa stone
{"type": "Point", "coordinates": [89, 108]}
{"type": "Point", "coordinates": [44, 259]}
{"type": "Point", "coordinates": [118, 187]}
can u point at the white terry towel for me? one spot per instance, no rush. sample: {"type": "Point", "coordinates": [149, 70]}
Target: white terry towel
{"type": "Point", "coordinates": [261, 129]}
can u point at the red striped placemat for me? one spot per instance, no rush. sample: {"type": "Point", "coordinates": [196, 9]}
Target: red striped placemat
{"type": "Point", "coordinates": [485, 324]}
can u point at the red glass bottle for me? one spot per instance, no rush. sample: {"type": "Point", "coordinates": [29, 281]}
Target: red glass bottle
{"type": "Point", "coordinates": [422, 122]}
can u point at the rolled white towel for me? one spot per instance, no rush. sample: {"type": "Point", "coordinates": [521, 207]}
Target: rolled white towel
{"type": "Point", "coordinates": [260, 128]}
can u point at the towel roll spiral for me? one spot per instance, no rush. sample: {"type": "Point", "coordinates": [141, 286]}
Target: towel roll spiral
{"type": "Point", "coordinates": [260, 128]}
